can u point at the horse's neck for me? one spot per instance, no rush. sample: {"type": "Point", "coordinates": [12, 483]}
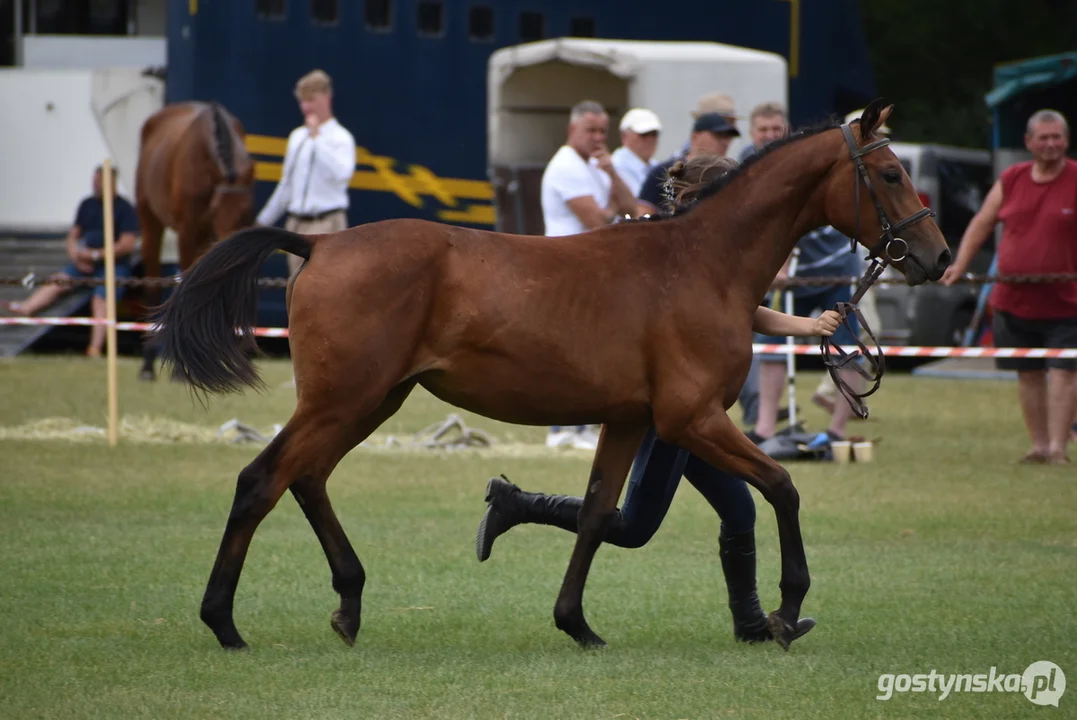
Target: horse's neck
{"type": "Point", "coordinates": [748, 229]}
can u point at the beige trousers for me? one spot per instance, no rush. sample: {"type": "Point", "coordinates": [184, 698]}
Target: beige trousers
{"type": "Point", "coordinates": [333, 222]}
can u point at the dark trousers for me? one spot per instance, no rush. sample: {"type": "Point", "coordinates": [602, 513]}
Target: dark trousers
{"type": "Point", "coordinates": [653, 481]}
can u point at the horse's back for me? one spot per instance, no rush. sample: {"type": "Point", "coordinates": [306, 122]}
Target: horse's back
{"type": "Point", "coordinates": [176, 154]}
{"type": "Point", "coordinates": [489, 276]}
{"type": "Point", "coordinates": [162, 140]}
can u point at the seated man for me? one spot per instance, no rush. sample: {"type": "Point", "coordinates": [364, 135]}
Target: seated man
{"type": "Point", "coordinates": [85, 248]}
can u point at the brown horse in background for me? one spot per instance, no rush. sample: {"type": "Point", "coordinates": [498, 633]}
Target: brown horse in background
{"type": "Point", "coordinates": [632, 325]}
{"type": "Point", "coordinates": [194, 176]}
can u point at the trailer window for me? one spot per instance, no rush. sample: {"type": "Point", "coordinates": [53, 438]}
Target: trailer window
{"type": "Point", "coordinates": [431, 19]}
{"type": "Point", "coordinates": [270, 9]}
{"type": "Point", "coordinates": [379, 15]}
{"type": "Point", "coordinates": [324, 12]}
{"type": "Point", "coordinates": [77, 17]}
{"type": "Point", "coordinates": [532, 26]}
{"type": "Point", "coordinates": [581, 27]}
{"type": "Point", "coordinates": [480, 23]}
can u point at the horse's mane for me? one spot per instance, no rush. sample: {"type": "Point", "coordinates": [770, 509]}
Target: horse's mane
{"type": "Point", "coordinates": [725, 179]}
{"type": "Point", "coordinates": [223, 142]}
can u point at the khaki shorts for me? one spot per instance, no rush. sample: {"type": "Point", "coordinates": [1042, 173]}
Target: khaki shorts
{"type": "Point", "coordinates": [333, 222]}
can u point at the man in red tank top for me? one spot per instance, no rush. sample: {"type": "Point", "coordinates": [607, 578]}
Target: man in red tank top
{"type": "Point", "coordinates": [1036, 201]}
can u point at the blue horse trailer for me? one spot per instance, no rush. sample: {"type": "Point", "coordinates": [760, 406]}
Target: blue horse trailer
{"type": "Point", "coordinates": [410, 79]}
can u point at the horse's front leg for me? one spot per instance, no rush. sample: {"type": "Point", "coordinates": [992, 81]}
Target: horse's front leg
{"type": "Point", "coordinates": [616, 448]}
{"type": "Point", "coordinates": [713, 437]}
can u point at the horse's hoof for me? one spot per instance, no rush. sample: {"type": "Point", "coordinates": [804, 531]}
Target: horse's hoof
{"type": "Point", "coordinates": [578, 630]}
{"type": "Point", "coordinates": [147, 375]}
{"type": "Point", "coordinates": [235, 646]}
{"type": "Point", "coordinates": [804, 626]}
{"type": "Point", "coordinates": [590, 641]}
{"type": "Point", "coordinates": [782, 632]}
{"type": "Point", "coordinates": [346, 627]}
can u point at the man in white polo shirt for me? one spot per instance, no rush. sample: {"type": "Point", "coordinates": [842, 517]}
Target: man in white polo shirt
{"type": "Point", "coordinates": [639, 140]}
{"type": "Point", "coordinates": [581, 190]}
{"type": "Point", "coordinates": [318, 166]}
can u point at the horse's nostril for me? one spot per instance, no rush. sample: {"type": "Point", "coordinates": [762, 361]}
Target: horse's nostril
{"type": "Point", "coordinates": [945, 259]}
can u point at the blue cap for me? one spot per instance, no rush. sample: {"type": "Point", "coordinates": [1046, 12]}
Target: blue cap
{"type": "Point", "coordinates": [715, 123]}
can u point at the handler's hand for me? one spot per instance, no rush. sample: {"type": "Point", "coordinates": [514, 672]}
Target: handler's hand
{"type": "Point", "coordinates": [951, 275]}
{"type": "Point", "coordinates": [827, 323]}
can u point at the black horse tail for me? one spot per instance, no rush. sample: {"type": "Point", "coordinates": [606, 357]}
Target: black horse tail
{"type": "Point", "coordinates": [206, 328]}
{"type": "Point", "coordinates": [224, 143]}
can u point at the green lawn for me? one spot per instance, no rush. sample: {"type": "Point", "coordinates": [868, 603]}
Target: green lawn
{"type": "Point", "coordinates": [943, 554]}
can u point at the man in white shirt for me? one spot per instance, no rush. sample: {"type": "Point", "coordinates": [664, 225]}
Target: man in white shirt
{"type": "Point", "coordinates": [318, 166]}
{"type": "Point", "coordinates": [639, 140]}
{"type": "Point", "coordinates": [581, 190]}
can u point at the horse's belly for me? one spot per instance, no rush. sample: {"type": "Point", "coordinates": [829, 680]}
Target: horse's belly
{"type": "Point", "coordinates": [539, 394]}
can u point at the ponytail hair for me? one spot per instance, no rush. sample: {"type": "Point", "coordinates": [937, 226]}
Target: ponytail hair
{"type": "Point", "coordinates": [686, 178]}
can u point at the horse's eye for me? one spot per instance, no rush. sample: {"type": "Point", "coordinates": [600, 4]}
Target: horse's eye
{"type": "Point", "coordinates": [892, 177]}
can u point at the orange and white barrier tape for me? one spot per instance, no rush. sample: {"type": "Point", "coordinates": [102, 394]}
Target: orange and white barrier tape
{"type": "Point", "coordinates": [765, 349]}
{"type": "Point", "coordinates": [120, 326]}
{"type": "Point", "coordinates": [929, 351]}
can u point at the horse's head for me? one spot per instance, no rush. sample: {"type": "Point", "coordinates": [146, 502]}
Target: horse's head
{"type": "Point", "coordinates": [884, 213]}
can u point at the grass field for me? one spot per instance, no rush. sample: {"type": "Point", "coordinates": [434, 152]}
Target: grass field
{"type": "Point", "coordinates": [942, 555]}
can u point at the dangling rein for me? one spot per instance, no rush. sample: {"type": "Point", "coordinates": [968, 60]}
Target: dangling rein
{"type": "Point", "coordinates": [836, 358]}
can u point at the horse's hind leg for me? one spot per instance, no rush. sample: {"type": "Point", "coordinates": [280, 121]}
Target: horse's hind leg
{"type": "Point", "coordinates": [717, 440]}
{"type": "Point", "coordinates": [305, 451]}
{"type": "Point", "coordinates": [348, 574]}
{"type": "Point", "coordinates": [616, 448]}
{"type": "Point", "coordinates": [152, 229]}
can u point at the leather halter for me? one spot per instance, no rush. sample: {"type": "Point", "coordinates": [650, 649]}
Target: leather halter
{"type": "Point", "coordinates": [888, 249]}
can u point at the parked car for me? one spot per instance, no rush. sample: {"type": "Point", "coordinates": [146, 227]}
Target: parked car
{"type": "Point", "coordinates": [952, 181]}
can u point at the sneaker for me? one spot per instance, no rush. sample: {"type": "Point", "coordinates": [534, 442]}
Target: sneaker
{"type": "Point", "coordinates": [560, 438]}
{"type": "Point", "coordinates": [585, 440]}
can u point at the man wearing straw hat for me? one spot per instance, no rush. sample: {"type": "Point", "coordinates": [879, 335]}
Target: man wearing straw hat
{"type": "Point", "coordinates": [716, 103]}
{"type": "Point", "coordinates": [318, 166]}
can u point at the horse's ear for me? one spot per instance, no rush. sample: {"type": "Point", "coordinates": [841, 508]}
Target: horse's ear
{"type": "Point", "coordinates": [874, 116]}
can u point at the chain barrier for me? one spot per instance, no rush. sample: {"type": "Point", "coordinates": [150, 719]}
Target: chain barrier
{"type": "Point", "coordinates": [30, 280]}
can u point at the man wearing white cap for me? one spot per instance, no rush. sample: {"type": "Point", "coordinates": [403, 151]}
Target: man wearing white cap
{"type": "Point", "coordinates": [639, 140]}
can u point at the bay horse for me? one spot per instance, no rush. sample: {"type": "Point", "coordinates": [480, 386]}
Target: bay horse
{"type": "Point", "coordinates": [629, 325]}
{"type": "Point", "coordinates": [194, 176]}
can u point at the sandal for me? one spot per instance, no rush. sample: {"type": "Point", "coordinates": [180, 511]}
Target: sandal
{"type": "Point", "coordinates": [820, 400]}
{"type": "Point", "coordinates": [1033, 457]}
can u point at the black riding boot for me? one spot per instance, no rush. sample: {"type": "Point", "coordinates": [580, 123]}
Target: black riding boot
{"type": "Point", "coordinates": [738, 564]}
{"type": "Point", "coordinates": [509, 506]}
{"type": "Point", "coordinates": [149, 354]}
